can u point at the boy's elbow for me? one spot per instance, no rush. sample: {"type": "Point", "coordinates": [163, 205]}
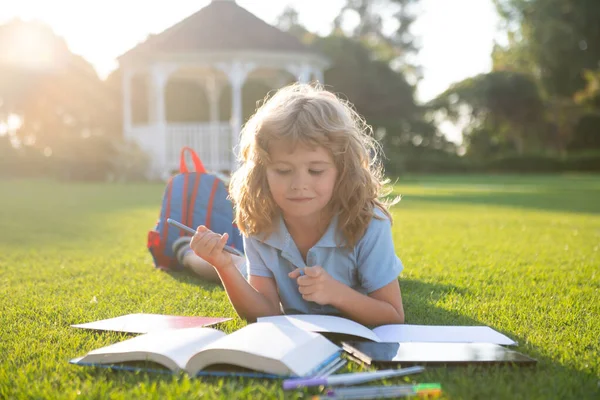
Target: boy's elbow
{"type": "Point", "coordinates": [249, 319]}
{"type": "Point", "coordinates": [253, 317]}
{"type": "Point", "coordinates": [400, 317]}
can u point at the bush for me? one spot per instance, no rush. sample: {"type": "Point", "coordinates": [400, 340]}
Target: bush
{"type": "Point", "coordinates": [130, 163]}
{"type": "Point", "coordinates": [94, 158]}
{"type": "Point", "coordinates": [587, 134]}
{"type": "Point", "coordinates": [416, 159]}
{"type": "Point", "coordinates": [538, 163]}
{"type": "Point", "coordinates": [533, 163]}
{"type": "Point", "coordinates": [584, 162]}
{"type": "Point", "coordinates": [102, 158]}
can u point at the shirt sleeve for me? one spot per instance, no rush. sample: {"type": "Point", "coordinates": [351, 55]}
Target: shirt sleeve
{"type": "Point", "coordinates": [378, 264]}
{"type": "Point", "coordinates": [255, 264]}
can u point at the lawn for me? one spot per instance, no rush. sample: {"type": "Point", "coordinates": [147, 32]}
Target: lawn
{"type": "Point", "coordinates": [518, 253]}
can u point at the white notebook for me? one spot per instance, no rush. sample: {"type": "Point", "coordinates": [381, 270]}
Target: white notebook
{"type": "Point", "coordinates": [397, 333]}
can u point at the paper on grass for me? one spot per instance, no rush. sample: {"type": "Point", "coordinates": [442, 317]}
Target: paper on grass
{"type": "Point", "coordinates": [146, 323]}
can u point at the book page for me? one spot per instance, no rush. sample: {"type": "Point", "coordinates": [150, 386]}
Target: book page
{"type": "Point", "coordinates": [267, 347]}
{"type": "Point", "coordinates": [323, 324]}
{"type": "Point", "coordinates": [176, 345]}
{"type": "Point", "coordinates": [145, 323]}
{"type": "Point", "coordinates": [441, 334]}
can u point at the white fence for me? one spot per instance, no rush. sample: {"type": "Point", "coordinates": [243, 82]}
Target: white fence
{"type": "Point", "coordinates": [212, 142]}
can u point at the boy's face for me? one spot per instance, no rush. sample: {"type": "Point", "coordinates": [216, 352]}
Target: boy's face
{"type": "Point", "coordinates": [301, 180]}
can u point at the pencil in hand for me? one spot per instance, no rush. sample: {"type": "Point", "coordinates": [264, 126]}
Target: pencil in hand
{"type": "Point", "coordinates": [192, 232]}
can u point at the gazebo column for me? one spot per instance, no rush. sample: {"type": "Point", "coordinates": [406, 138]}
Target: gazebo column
{"type": "Point", "coordinates": [300, 71]}
{"type": "Point", "coordinates": [319, 75]}
{"type": "Point", "coordinates": [126, 78]}
{"type": "Point", "coordinates": [213, 90]}
{"type": "Point", "coordinates": [157, 117]}
{"type": "Point", "coordinates": [237, 73]}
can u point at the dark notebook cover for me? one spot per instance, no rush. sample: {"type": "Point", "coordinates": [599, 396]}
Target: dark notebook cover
{"type": "Point", "coordinates": [388, 354]}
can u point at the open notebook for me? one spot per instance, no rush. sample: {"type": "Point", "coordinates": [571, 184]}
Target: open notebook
{"type": "Point", "coordinates": [263, 347]}
{"type": "Point", "coordinates": [400, 333]}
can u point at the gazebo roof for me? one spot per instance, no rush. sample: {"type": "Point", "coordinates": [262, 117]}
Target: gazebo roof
{"type": "Point", "coordinates": [221, 26]}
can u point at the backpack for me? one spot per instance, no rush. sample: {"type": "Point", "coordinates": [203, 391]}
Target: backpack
{"type": "Point", "coordinates": [192, 198]}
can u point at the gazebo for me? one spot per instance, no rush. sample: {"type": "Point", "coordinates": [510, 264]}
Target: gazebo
{"type": "Point", "coordinates": [220, 46]}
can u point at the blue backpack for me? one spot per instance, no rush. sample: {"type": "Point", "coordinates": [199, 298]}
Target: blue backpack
{"type": "Point", "coordinates": [192, 198]}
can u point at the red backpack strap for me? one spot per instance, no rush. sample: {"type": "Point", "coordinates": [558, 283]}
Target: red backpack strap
{"type": "Point", "coordinates": [184, 198]}
{"type": "Point", "coordinates": [165, 232]}
{"type": "Point", "coordinates": [197, 162]}
{"type": "Point", "coordinates": [211, 200]}
{"type": "Point", "coordinates": [190, 211]}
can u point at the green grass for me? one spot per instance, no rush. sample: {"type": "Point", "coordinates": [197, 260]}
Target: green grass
{"type": "Point", "coordinates": [518, 253]}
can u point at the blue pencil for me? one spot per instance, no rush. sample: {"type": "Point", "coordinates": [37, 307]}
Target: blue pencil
{"type": "Point", "coordinates": [192, 232]}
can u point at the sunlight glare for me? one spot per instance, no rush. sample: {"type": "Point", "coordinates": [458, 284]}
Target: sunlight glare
{"type": "Point", "coordinates": [14, 122]}
{"type": "Point", "coordinates": [29, 48]}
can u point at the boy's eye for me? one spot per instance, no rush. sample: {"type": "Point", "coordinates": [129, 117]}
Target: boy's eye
{"type": "Point", "coordinates": [315, 172]}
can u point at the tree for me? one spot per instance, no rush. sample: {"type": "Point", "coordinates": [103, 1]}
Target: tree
{"type": "Point", "coordinates": [288, 21]}
{"type": "Point", "coordinates": [62, 104]}
{"type": "Point", "coordinates": [506, 106]}
{"type": "Point", "coordinates": [554, 40]}
{"type": "Point", "coordinates": [396, 47]}
{"type": "Point", "coordinates": [379, 92]}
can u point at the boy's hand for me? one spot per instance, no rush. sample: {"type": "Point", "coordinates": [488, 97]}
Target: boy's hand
{"type": "Point", "coordinates": [316, 284]}
{"type": "Point", "coordinates": [209, 246]}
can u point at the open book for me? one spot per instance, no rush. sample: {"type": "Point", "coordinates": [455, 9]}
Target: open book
{"type": "Point", "coordinates": [145, 323]}
{"type": "Point", "coordinates": [400, 333]}
{"type": "Point", "coordinates": [263, 347]}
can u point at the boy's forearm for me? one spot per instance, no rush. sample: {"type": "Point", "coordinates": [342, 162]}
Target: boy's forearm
{"type": "Point", "coordinates": [247, 301]}
{"type": "Point", "coordinates": [364, 309]}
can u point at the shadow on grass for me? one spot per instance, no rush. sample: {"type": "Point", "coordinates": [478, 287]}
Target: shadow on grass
{"type": "Point", "coordinates": [188, 277]}
{"type": "Point", "coordinates": [548, 379]}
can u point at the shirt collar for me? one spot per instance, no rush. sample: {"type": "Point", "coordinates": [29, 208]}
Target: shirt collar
{"type": "Point", "coordinates": [281, 238]}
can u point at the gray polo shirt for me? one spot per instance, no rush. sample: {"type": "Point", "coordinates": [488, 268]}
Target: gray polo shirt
{"type": "Point", "coordinates": [369, 266]}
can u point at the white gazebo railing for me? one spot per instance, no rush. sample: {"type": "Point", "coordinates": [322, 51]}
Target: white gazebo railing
{"type": "Point", "coordinates": [212, 143]}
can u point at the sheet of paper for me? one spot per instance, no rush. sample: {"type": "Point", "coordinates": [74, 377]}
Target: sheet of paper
{"type": "Point", "coordinates": [145, 323]}
{"type": "Point", "coordinates": [441, 334]}
{"type": "Point", "coordinates": [323, 324]}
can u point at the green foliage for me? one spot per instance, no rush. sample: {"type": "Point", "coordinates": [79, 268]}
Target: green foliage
{"type": "Point", "coordinates": [587, 133]}
{"type": "Point", "coordinates": [379, 93]}
{"type": "Point", "coordinates": [70, 119]}
{"type": "Point", "coordinates": [502, 103]}
{"type": "Point", "coordinates": [397, 46]}
{"type": "Point", "coordinates": [555, 40]}
{"type": "Point", "coordinates": [541, 163]}
{"type": "Point", "coordinates": [94, 158]}
{"type": "Point", "coordinates": [368, 68]}
{"type": "Point", "coordinates": [519, 254]}
{"type": "Point", "coordinates": [419, 159]}
{"type": "Point", "coordinates": [589, 96]}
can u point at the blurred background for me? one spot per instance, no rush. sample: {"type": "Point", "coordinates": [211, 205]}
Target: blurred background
{"type": "Point", "coordinates": [110, 91]}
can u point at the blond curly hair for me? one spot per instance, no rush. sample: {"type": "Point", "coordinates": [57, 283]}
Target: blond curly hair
{"type": "Point", "coordinates": [309, 115]}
